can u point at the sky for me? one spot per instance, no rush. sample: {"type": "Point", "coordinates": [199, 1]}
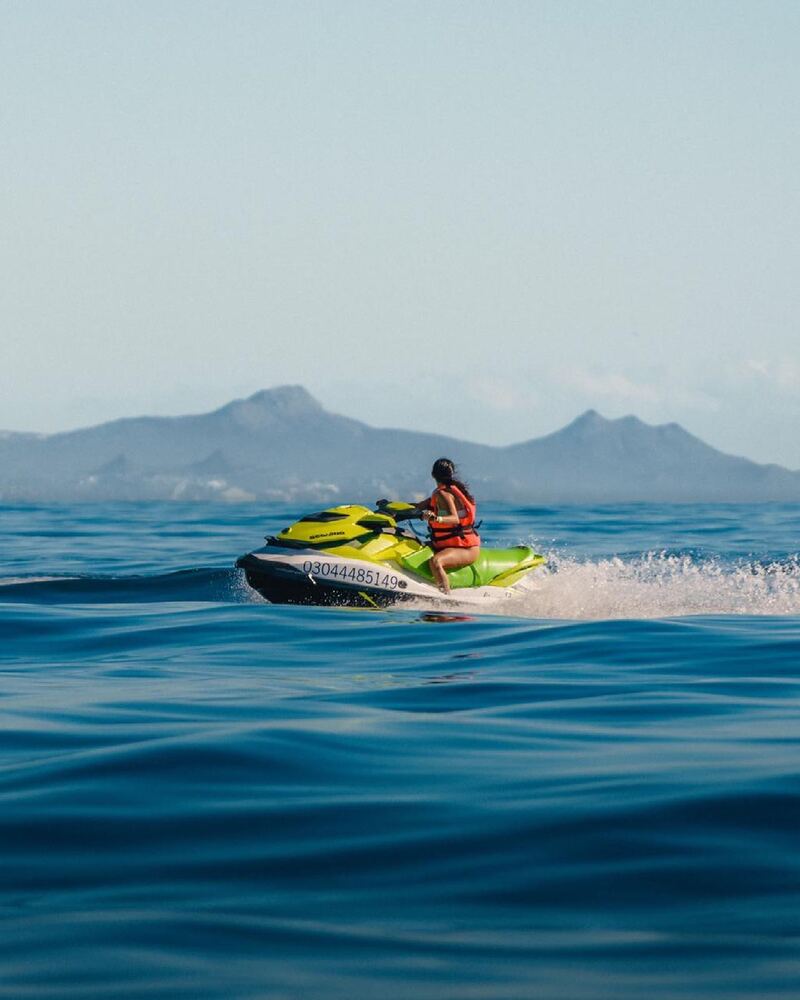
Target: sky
{"type": "Point", "coordinates": [479, 219]}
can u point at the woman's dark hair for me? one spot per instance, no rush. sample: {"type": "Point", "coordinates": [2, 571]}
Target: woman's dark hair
{"type": "Point", "coordinates": [444, 471]}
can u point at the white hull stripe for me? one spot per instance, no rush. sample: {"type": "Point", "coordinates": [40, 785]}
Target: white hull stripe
{"type": "Point", "coordinates": [354, 574]}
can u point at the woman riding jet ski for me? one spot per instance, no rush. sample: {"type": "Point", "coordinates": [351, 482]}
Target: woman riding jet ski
{"type": "Point", "coordinates": [353, 556]}
{"type": "Point", "coordinates": [450, 515]}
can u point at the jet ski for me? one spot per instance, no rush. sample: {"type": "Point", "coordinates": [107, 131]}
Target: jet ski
{"type": "Point", "coordinates": [357, 557]}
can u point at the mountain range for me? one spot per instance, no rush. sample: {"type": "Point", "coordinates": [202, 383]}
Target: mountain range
{"type": "Point", "coordinates": [281, 444]}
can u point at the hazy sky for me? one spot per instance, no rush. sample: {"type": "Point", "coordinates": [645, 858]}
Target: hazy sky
{"type": "Point", "coordinates": [479, 218]}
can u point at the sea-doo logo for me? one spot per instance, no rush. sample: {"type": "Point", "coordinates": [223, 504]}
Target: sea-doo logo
{"type": "Point", "coordinates": [325, 534]}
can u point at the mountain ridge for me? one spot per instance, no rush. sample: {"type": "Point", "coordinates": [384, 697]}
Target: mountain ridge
{"type": "Point", "coordinates": [281, 444]}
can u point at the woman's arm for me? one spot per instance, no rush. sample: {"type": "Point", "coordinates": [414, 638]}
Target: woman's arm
{"type": "Point", "coordinates": [450, 518]}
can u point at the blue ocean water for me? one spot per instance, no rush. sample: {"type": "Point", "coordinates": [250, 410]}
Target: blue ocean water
{"type": "Point", "coordinates": [594, 796]}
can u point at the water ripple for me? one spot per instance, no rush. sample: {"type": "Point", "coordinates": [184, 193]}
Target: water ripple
{"type": "Point", "coordinates": [207, 796]}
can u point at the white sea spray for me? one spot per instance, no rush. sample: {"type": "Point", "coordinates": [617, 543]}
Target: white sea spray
{"type": "Point", "coordinates": [661, 585]}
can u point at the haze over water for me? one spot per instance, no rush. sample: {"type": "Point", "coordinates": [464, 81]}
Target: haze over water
{"type": "Point", "coordinates": [593, 796]}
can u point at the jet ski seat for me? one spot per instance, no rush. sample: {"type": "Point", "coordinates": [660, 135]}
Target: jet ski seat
{"type": "Point", "coordinates": [487, 567]}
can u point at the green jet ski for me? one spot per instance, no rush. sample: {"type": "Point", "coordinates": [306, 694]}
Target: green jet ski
{"type": "Point", "coordinates": [357, 557]}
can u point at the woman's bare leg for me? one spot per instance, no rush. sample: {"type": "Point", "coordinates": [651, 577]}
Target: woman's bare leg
{"type": "Point", "coordinates": [453, 558]}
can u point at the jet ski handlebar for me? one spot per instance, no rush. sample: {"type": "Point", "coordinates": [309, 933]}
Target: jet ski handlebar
{"type": "Point", "coordinates": [398, 510]}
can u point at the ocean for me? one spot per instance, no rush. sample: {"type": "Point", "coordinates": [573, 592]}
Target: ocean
{"type": "Point", "coordinates": [593, 795]}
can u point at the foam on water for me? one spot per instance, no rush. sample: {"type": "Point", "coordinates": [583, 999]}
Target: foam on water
{"type": "Point", "coordinates": [661, 585]}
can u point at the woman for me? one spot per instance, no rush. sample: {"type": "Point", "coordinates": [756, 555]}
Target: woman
{"type": "Point", "coordinates": [451, 519]}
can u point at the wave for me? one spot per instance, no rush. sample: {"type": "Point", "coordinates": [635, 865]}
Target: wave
{"type": "Point", "coordinates": [199, 584]}
{"type": "Point", "coordinates": [649, 585]}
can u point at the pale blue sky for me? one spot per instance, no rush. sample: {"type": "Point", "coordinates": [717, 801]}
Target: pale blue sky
{"type": "Point", "coordinates": [479, 218]}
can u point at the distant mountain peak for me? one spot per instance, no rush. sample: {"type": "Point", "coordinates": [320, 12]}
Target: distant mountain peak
{"type": "Point", "coordinates": [594, 421]}
{"type": "Point", "coordinates": [265, 407]}
{"type": "Point", "coordinates": [589, 418]}
{"type": "Point", "coordinates": [286, 397]}
{"type": "Point", "coordinates": [590, 422]}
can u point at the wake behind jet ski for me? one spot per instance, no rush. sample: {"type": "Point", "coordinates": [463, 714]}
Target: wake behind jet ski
{"type": "Point", "coordinates": [354, 556]}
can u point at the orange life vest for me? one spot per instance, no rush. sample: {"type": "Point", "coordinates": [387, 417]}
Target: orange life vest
{"type": "Point", "coordinates": [460, 536]}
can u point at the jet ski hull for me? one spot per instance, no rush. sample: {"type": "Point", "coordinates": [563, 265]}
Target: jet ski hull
{"type": "Point", "coordinates": [308, 576]}
{"type": "Point", "coordinates": [280, 587]}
